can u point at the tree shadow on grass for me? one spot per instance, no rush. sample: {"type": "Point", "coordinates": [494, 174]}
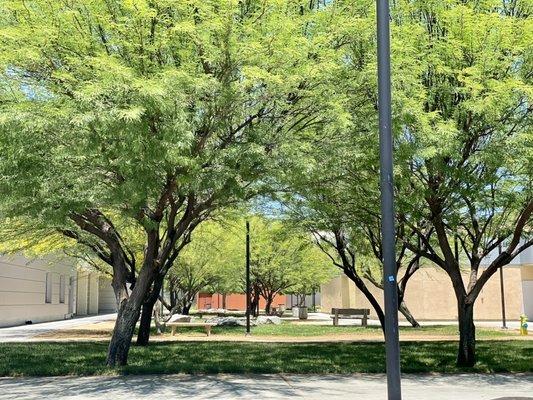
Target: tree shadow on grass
{"type": "Point", "coordinates": [88, 358]}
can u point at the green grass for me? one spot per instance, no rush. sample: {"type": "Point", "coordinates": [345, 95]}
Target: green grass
{"type": "Point", "coordinates": [87, 358]}
{"type": "Point", "coordinates": [307, 330]}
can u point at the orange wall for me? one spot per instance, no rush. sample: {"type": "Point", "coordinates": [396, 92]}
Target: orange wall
{"type": "Point", "coordinates": [234, 301]}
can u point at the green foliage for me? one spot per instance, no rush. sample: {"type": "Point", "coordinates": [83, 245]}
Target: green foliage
{"type": "Point", "coordinates": [461, 121]}
{"type": "Point", "coordinates": [212, 262]}
{"type": "Point", "coordinates": [102, 102]}
{"type": "Point", "coordinates": [475, 82]}
{"type": "Point", "coordinates": [284, 260]}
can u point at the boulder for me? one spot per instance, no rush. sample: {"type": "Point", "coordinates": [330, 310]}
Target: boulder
{"type": "Point", "coordinates": [268, 319]}
{"type": "Point", "coordinates": [180, 318]}
{"type": "Point", "coordinates": [228, 321]}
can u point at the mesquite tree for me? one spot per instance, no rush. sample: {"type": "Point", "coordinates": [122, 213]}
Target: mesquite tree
{"type": "Point", "coordinates": [284, 260]}
{"type": "Point", "coordinates": [150, 115]}
{"type": "Point", "coordinates": [462, 84]}
{"type": "Point", "coordinates": [332, 187]}
{"type": "Point", "coordinates": [468, 170]}
{"type": "Point", "coordinates": [211, 262]}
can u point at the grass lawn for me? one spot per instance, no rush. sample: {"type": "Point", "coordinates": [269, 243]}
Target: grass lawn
{"type": "Point", "coordinates": [307, 330]}
{"type": "Point", "coordinates": [286, 331]}
{"type": "Point", "coordinates": [87, 358]}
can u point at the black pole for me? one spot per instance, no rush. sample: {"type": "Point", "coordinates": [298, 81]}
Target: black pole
{"type": "Point", "coordinates": [248, 300]}
{"type": "Point", "coordinates": [392, 343]}
{"type": "Point", "coordinates": [502, 290]}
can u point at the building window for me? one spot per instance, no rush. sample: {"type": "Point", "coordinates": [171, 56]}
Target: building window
{"type": "Point", "coordinates": [48, 288]}
{"type": "Point", "coordinates": [62, 288]}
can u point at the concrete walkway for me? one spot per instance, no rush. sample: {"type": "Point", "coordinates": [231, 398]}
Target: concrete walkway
{"type": "Point", "coordinates": [24, 333]}
{"type": "Point", "coordinates": [339, 387]}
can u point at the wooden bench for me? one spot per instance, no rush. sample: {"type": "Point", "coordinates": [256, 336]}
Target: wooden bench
{"type": "Point", "coordinates": [206, 325]}
{"type": "Point", "coordinates": [338, 313]}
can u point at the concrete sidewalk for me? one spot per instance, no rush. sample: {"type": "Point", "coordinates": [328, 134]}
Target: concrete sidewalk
{"type": "Point", "coordinates": [320, 387]}
{"type": "Point", "coordinates": [23, 333]}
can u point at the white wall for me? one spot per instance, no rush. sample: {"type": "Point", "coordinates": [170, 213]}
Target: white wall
{"type": "Point", "coordinates": [88, 293]}
{"type": "Point", "coordinates": [528, 299]}
{"type": "Point", "coordinates": [524, 258]}
{"type": "Point", "coordinates": [291, 300]}
{"type": "Point", "coordinates": [107, 302]}
{"type": "Point", "coordinates": [22, 289]}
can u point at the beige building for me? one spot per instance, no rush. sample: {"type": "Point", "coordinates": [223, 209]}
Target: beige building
{"type": "Point", "coordinates": [430, 295]}
{"type": "Point", "coordinates": [48, 289]}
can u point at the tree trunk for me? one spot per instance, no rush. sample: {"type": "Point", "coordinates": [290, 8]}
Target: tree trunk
{"type": "Point", "coordinates": [119, 346]}
{"type": "Point", "coordinates": [159, 321]}
{"type": "Point", "coordinates": [173, 296]}
{"type": "Point", "coordinates": [407, 314]}
{"type": "Point", "coordinates": [143, 337]}
{"type": "Point", "coordinates": [186, 309]}
{"type": "Point", "coordinates": [466, 356]}
{"type": "Point", "coordinates": [370, 297]}
{"type": "Point", "coordinates": [268, 305]}
{"type": "Point", "coordinates": [254, 302]}
{"type": "Point", "coordinates": [379, 311]}
{"type": "Point", "coordinates": [253, 307]}
{"type": "Point", "coordinates": [128, 314]}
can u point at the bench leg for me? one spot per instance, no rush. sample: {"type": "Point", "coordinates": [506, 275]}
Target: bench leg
{"type": "Point", "coordinates": [173, 330]}
{"type": "Point", "coordinates": [336, 320]}
{"type": "Point", "coordinates": [208, 330]}
{"type": "Point", "coordinates": [364, 321]}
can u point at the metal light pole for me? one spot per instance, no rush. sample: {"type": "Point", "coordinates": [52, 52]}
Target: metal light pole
{"type": "Point", "coordinates": [392, 344]}
{"type": "Point", "coordinates": [248, 300]}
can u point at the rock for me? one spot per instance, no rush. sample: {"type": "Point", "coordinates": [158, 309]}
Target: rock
{"type": "Point", "coordinates": [235, 321]}
{"type": "Point", "coordinates": [180, 318]}
{"type": "Point", "coordinates": [266, 320]}
{"type": "Point", "coordinates": [212, 311]}
{"type": "Point", "coordinates": [228, 321]}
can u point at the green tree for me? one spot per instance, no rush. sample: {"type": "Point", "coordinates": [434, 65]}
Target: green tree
{"type": "Point", "coordinates": [284, 260]}
{"type": "Point", "coordinates": [462, 124]}
{"type": "Point", "coordinates": [147, 116]}
{"type": "Point", "coordinates": [212, 262]}
{"type": "Point", "coordinates": [314, 271]}
{"type": "Point", "coordinates": [468, 161]}
{"type": "Point", "coordinates": [333, 184]}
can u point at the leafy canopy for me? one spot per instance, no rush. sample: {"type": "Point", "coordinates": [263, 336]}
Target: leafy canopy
{"type": "Point", "coordinates": [133, 108]}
